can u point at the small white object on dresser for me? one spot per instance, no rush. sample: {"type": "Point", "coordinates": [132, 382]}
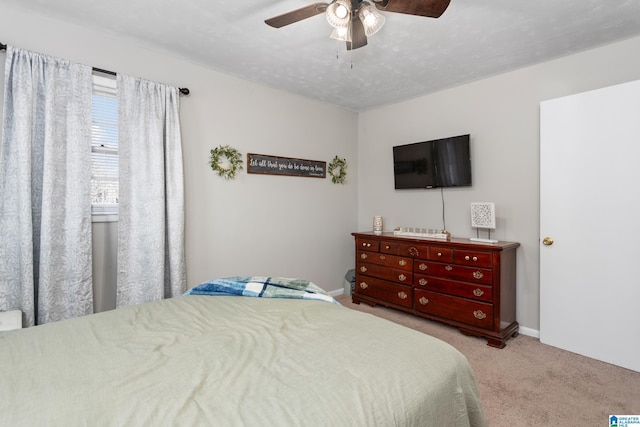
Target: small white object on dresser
{"type": "Point", "coordinates": [10, 320]}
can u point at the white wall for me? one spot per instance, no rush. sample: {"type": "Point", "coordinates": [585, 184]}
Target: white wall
{"type": "Point", "coordinates": [256, 224]}
{"type": "Point", "coordinates": [502, 115]}
{"type": "Point", "coordinates": [105, 255]}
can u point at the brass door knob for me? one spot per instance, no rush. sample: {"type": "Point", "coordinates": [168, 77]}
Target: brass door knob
{"type": "Point", "coordinates": [548, 241]}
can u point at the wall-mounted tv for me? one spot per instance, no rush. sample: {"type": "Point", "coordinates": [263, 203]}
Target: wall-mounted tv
{"type": "Point", "coordinates": [438, 163]}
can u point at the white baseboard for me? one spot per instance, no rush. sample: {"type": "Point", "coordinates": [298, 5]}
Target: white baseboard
{"type": "Point", "coordinates": [529, 332]}
{"type": "Point", "coordinates": [337, 292]}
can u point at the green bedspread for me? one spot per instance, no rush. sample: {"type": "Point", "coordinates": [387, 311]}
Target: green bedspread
{"type": "Point", "coordinates": [233, 361]}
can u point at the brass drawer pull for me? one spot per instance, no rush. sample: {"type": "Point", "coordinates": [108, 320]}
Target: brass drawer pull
{"type": "Point", "coordinates": [382, 257]}
{"type": "Point", "coordinates": [479, 314]}
{"type": "Point", "coordinates": [387, 247]}
{"type": "Point", "coordinates": [363, 269]}
{"type": "Point", "coordinates": [475, 258]}
{"type": "Point", "coordinates": [402, 263]}
{"type": "Point", "coordinates": [478, 275]}
{"type": "Point", "coordinates": [364, 285]}
{"type": "Point", "coordinates": [423, 282]}
{"type": "Point", "coordinates": [402, 295]}
{"type": "Point", "coordinates": [423, 267]}
{"type": "Point", "coordinates": [366, 245]}
{"type": "Point", "coordinates": [413, 251]}
{"type": "Point", "coordinates": [439, 253]}
{"type": "Point", "coordinates": [448, 268]}
{"type": "Point", "coordinates": [478, 292]}
{"type": "Point", "coordinates": [364, 256]}
{"type": "Point", "coordinates": [424, 301]}
{"type": "Point", "coordinates": [402, 277]}
{"type": "Point", "coordinates": [467, 258]}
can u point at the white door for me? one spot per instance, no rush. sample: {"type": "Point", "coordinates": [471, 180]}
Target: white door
{"type": "Point", "coordinates": [590, 208]}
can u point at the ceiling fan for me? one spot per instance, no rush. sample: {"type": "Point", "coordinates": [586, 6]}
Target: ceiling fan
{"type": "Point", "coordinates": [354, 20]}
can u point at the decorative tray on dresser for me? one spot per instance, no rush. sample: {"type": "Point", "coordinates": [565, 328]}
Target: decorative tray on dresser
{"type": "Point", "coordinates": [466, 284]}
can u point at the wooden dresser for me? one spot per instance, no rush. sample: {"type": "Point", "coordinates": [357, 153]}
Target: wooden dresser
{"type": "Point", "coordinates": [466, 284]}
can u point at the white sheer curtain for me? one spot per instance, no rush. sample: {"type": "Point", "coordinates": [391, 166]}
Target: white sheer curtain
{"type": "Point", "coordinates": [45, 204]}
{"type": "Point", "coordinates": [151, 262]}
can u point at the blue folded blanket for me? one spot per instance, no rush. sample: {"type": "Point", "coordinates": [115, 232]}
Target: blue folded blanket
{"type": "Point", "coordinates": [264, 287]}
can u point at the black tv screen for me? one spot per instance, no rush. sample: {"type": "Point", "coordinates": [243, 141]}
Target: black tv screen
{"type": "Point", "coordinates": [438, 163]}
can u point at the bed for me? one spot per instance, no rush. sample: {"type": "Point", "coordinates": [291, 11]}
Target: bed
{"type": "Point", "coordinates": [233, 360]}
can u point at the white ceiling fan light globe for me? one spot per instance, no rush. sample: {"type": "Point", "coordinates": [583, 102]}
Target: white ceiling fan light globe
{"type": "Point", "coordinates": [369, 18]}
{"type": "Point", "coordinates": [339, 13]}
{"type": "Point", "coordinates": [341, 34]}
{"type": "Point", "coordinates": [342, 11]}
{"type": "Point", "coordinates": [372, 20]}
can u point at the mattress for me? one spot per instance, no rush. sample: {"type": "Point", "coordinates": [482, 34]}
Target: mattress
{"type": "Point", "coordinates": [233, 361]}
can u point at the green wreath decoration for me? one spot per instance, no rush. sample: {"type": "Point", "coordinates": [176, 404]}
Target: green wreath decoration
{"type": "Point", "coordinates": [226, 169]}
{"type": "Point", "coordinates": [338, 170]}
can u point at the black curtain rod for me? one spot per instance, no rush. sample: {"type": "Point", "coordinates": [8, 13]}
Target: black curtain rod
{"type": "Point", "coordinates": [183, 90]}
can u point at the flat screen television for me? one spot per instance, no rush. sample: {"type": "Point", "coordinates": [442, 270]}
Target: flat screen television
{"type": "Point", "coordinates": [438, 163]}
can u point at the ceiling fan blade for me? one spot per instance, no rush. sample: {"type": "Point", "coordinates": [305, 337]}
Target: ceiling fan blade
{"type": "Point", "coordinates": [358, 37]}
{"type": "Point", "coordinates": [428, 8]}
{"type": "Point", "coordinates": [297, 15]}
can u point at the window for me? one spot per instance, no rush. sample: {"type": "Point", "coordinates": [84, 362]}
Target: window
{"type": "Point", "coordinates": [104, 149]}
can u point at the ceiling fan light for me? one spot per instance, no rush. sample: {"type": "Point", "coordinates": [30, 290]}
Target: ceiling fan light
{"type": "Point", "coordinates": [341, 34]}
{"type": "Point", "coordinates": [339, 13]}
{"type": "Point", "coordinates": [342, 11]}
{"type": "Point", "coordinates": [372, 20]}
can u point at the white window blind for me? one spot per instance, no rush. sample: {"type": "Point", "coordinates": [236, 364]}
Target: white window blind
{"type": "Point", "coordinates": [104, 147]}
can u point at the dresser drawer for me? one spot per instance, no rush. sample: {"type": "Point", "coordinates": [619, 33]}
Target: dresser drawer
{"type": "Point", "coordinates": [451, 287]}
{"type": "Point", "coordinates": [473, 258]}
{"type": "Point", "coordinates": [402, 263]}
{"type": "Point", "coordinates": [421, 251]}
{"type": "Point", "coordinates": [367, 244]}
{"type": "Point", "coordinates": [380, 289]}
{"type": "Point", "coordinates": [460, 309]}
{"type": "Point", "coordinates": [441, 254]}
{"type": "Point", "coordinates": [383, 272]}
{"type": "Point", "coordinates": [404, 249]}
{"type": "Point", "coordinates": [453, 271]}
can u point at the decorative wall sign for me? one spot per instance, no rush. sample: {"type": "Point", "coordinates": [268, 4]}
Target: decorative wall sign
{"type": "Point", "coordinates": [225, 161]}
{"type": "Point", "coordinates": [272, 165]}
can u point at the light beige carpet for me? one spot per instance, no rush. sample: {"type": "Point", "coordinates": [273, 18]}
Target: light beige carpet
{"type": "Point", "coordinates": [532, 384]}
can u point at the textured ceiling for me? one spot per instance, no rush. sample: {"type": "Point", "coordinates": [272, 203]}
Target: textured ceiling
{"type": "Point", "coordinates": [409, 57]}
